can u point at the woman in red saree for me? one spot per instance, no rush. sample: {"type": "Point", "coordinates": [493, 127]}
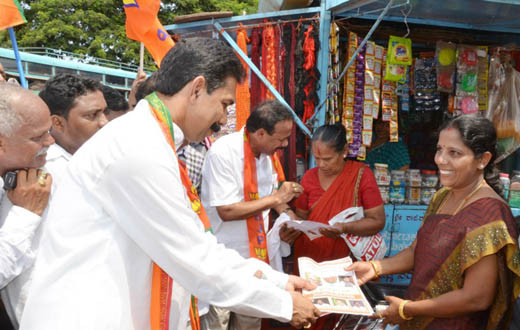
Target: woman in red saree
{"type": "Point", "coordinates": [333, 186]}
{"type": "Point", "coordinates": [465, 259]}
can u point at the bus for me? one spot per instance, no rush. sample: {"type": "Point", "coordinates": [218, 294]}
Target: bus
{"type": "Point", "coordinates": [39, 64]}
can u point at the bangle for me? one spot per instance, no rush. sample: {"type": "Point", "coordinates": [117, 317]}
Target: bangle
{"type": "Point", "coordinates": [401, 310]}
{"type": "Point", "coordinates": [376, 267]}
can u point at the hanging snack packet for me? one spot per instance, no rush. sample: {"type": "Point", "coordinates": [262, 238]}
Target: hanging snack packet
{"type": "Point", "coordinates": [466, 95]}
{"type": "Point", "coordinates": [399, 51]}
{"type": "Point", "coordinates": [483, 71]}
{"type": "Point", "coordinates": [394, 72]}
{"type": "Point", "coordinates": [445, 55]}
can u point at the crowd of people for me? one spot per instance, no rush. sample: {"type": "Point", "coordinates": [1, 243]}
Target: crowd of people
{"type": "Point", "coordinates": [104, 227]}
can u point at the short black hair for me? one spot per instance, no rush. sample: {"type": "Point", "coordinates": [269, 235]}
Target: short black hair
{"type": "Point", "coordinates": [146, 87]}
{"type": "Point", "coordinates": [189, 58]}
{"type": "Point", "coordinates": [266, 115]}
{"type": "Point", "coordinates": [335, 136]}
{"type": "Point", "coordinates": [115, 100]}
{"type": "Point", "coordinates": [60, 92]}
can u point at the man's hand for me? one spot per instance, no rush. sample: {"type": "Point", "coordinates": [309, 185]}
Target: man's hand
{"type": "Point", "coordinates": [296, 283]}
{"type": "Point", "coordinates": [304, 312]}
{"type": "Point", "coordinates": [288, 234]}
{"type": "Point", "coordinates": [287, 192]}
{"type": "Point", "coordinates": [32, 190]}
{"type": "Point", "coordinates": [140, 77]}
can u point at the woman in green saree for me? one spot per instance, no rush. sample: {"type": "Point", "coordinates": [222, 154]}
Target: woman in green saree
{"type": "Point", "coordinates": [465, 260]}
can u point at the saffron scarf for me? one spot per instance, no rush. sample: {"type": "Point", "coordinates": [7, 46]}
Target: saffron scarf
{"type": "Point", "coordinates": [255, 223]}
{"type": "Point", "coordinates": [161, 281]}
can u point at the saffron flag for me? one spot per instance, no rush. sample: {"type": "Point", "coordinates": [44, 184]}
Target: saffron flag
{"type": "Point", "coordinates": [143, 25]}
{"type": "Point", "coordinates": [11, 14]}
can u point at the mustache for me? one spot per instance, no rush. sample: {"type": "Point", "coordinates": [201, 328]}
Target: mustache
{"type": "Point", "coordinates": [41, 152]}
{"type": "Point", "coordinates": [215, 127]}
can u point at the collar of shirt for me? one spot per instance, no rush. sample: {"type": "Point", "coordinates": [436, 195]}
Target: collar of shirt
{"type": "Point", "coordinates": [56, 151]}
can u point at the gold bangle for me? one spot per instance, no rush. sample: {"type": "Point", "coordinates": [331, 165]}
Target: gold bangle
{"type": "Point", "coordinates": [377, 269]}
{"type": "Point", "coordinates": [401, 310]}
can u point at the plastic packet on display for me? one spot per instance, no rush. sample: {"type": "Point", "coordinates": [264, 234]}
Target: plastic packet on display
{"type": "Point", "coordinates": [445, 55]}
{"type": "Point", "coordinates": [367, 138]}
{"type": "Point", "coordinates": [399, 50]}
{"type": "Point", "coordinates": [395, 72]}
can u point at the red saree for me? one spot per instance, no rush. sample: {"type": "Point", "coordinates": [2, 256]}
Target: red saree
{"type": "Point", "coordinates": [447, 245]}
{"type": "Point", "coordinates": [337, 198]}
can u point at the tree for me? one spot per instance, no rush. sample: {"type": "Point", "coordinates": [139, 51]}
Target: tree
{"type": "Point", "coordinates": [97, 27]}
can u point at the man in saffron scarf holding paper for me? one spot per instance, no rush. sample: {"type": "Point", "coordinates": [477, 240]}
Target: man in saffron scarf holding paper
{"type": "Point", "coordinates": [134, 246]}
{"type": "Point", "coordinates": [242, 180]}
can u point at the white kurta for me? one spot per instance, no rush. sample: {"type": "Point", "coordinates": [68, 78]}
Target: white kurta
{"type": "Point", "coordinates": [16, 234]}
{"type": "Point", "coordinates": [223, 184]}
{"type": "Point", "coordinates": [15, 294]}
{"type": "Point", "coordinates": [122, 205]}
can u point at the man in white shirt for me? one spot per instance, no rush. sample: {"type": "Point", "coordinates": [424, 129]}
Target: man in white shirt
{"type": "Point", "coordinates": [268, 128]}
{"type": "Point", "coordinates": [24, 139]}
{"type": "Point", "coordinates": [78, 107]}
{"type": "Point", "coordinates": [77, 110]}
{"type": "Point", "coordinates": [123, 211]}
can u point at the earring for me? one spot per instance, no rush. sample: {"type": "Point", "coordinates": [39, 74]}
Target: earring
{"type": "Point", "coordinates": [481, 167]}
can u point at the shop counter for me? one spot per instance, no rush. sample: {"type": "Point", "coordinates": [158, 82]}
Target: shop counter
{"type": "Point", "coordinates": [402, 224]}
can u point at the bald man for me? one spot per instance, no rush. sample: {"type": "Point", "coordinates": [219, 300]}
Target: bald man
{"type": "Point", "coordinates": [24, 138]}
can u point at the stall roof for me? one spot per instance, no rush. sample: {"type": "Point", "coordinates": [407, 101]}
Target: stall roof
{"type": "Point", "coordinates": [489, 15]}
{"type": "Point", "coordinates": [206, 26]}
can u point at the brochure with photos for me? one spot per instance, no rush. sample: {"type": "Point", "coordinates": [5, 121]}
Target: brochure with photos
{"type": "Point", "coordinates": [337, 290]}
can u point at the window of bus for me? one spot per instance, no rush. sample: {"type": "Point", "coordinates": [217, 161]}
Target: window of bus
{"type": "Point", "coordinates": [59, 70]}
{"type": "Point", "coordinates": [40, 69]}
{"type": "Point", "coordinates": [9, 64]}
{"type": "Point", "coordinates": [114, 80]}
{"type": "Point", "coordinates": [93, 75]}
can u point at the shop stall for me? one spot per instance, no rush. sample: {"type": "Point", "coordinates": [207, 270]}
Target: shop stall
{"type": "Point", "coordinates": [404, 66]}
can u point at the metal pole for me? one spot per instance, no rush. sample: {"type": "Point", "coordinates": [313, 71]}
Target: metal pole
{"type": "Point", "coordinates": [264, 80]}
{"type": "Point", "coordinates": [23, 81]}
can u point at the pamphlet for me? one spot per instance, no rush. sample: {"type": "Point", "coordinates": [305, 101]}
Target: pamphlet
{"type": "Point", "coordinates": [309, 228]}
{"type": "Point", "coordinates": [337, 290]}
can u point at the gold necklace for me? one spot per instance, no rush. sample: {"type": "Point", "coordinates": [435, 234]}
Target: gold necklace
{"type": "Point", "coordinates": [464, 200]}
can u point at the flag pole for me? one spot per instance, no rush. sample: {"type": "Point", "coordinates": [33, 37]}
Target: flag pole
{"type": "Point", "coordinates": [141, 57]}
{"type": "Point", "coordinates": [23, 81]}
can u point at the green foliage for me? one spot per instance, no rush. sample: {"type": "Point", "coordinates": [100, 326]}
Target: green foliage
{"type": "Point", "coordinates": [97, 27]}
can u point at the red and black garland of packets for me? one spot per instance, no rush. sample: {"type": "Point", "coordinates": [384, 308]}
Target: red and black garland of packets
{"type": "Point", "coordinates": [296, 45]}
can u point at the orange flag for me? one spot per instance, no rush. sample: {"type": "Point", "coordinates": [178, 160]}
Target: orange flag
{"type": "Point", "coordinates": [143, 25]}
{"type": "Point", "coordinates": [11, 14]}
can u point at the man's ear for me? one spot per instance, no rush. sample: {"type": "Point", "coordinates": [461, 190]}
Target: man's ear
{"type": "Point", "coordinates": [198, 86]}
{"type": "Point", "coordinates": [58, 123]}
